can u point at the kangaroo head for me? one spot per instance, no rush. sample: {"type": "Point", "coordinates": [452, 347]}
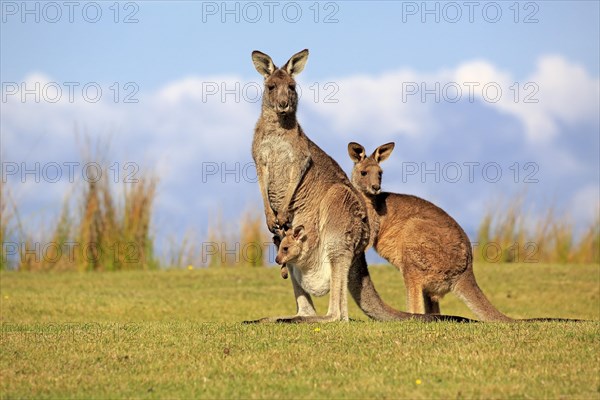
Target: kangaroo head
{"type": "Point", "coordinates": [366, 174]}
{"type": "Point", "coordinates": [280, 87]}
{"type": "Point", "coordinates": [290, 247]}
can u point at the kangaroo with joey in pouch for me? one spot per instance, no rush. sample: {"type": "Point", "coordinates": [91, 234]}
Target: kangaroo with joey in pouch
{"type": "Point", "coordinates": [426, 244]}
{"type": "Point", "coordinates": [301, 184]}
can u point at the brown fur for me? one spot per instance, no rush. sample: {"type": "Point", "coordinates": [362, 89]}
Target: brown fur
{"type": "Point", "coordinates": [300, 183]}
{"type": "Point", "coordinates": [283, 271]}
{"type": "Point", "coordinates": [427, 245]}
{"type": "Point", "coordinates": [291, 246]}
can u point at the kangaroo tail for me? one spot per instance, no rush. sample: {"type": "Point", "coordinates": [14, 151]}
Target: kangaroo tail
{"type": "Point", "coordinates": [364, 293]}
{"type": "Point", "coordinates": [467, 290]}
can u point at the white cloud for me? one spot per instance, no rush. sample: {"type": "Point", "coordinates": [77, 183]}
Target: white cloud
{"type": "Point", "coordinates": [373, 106]}
{"type": "Point", "coordinates": [557, 92]}
{"type": "Point", "coordinates": [567, 91]}
{"type": "Point", "coordinates": [399, 102]}
{"type": "Point", "coordinates": [585, 205]}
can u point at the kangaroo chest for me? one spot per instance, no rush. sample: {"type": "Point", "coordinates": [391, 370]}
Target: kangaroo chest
{"type": "Point", "coordinates": [277, 155]}
{"type": "Point", "coordinates": [313, 277]}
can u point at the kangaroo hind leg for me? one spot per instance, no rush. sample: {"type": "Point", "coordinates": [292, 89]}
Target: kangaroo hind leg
{"type": "Point", "coordinates": [432, 304]}
{"type": "Point", "coordinates": [415, 297]}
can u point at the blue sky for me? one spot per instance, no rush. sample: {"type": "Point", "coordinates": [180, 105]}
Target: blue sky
{"type": "Point", "coordinates": [171, 41]}
{"type": "Point", "coordinates": [362, 66]}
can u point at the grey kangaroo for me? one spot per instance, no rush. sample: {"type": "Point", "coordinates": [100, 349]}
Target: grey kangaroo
{"type": "Point", "coordinates": [426, 244]}
{"type": "Point", "coordinates": [300, 183]}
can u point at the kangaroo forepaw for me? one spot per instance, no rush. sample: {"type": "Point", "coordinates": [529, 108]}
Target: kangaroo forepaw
{"type": "Point", "coordinates": [284, 272]}
{"type": "Point", "coordinates": [274, 228]}
{"type": "Point", "coordinates": [272, 224]}
{"type": "Point", "coordinates": [283, 221]}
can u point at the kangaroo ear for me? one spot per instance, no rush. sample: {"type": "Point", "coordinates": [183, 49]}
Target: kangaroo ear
{"type": "Point", "coordinates": [263, 63]}
{"type": "Point", "coordinates": [299, 233]}
{"type": "Point", "coordinates": [296, 63]}
{"type": "Point", "coordinates": [356, 152]}
{"type": "Point", "coordinates": [383, 152]}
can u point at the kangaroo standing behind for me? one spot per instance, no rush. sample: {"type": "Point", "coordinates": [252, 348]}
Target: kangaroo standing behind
{"type": "Point", "coordinates": [428, 246]}
{"type": "Point", "coordinates": [299, 182]}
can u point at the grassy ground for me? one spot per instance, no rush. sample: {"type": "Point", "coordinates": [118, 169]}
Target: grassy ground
{"type": "Point", "coordinates": [176, 334]}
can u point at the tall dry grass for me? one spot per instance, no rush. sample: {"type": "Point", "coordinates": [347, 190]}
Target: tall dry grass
{"type": "Point", "coordinates": [254, 239]}
{"type": "Point", "coordinates": [101, 233]}
{"type": "Point", "coordinates": [241, 242]}
{"type": "Point", "coordinates": [7, 218]}
{"type": "Point", "coordinates": [102, 226]}
{"type": "Point", "coordinates": [510, 233]}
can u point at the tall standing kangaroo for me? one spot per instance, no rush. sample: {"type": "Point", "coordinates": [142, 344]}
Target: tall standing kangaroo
{"type": "Point", "coordinates": [299, 182]}
{"type": "Point", "coordinates": [422, 240]}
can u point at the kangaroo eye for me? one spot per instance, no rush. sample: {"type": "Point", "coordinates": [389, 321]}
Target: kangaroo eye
{"type": "Point", "coordinates": [380, 174]}
{"type": "Point", "coordinates": [363, 173]}
{"type": "Point", "coordinates": [292, 87]}
{"type": "Point", "coordinates": [285, 249]}
{"type": "Point", "coordinates": [271, 87]}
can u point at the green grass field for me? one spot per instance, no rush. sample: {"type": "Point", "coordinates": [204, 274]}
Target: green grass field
{"type": "Point", "coordinates": [177, 334]}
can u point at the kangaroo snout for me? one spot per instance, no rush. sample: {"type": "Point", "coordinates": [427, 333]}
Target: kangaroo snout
{"type": "Point", "coordinates": [376, 188]}
{"type": "Point", "coordinates": [283, 108]}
